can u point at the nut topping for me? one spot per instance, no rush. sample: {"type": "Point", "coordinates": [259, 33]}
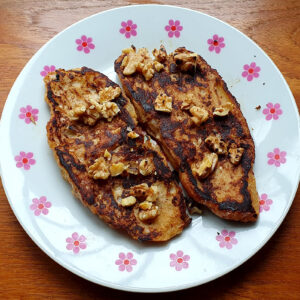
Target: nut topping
{"type": "Point", "coordinates": [109, 110]}
{"type": "Point", "coordinates": [132, 135]}
{"type": "Point", "coordinates": [200, 115]}
{"type": "Point", "coordinates": [160, 55]}
{"type": "Point", "coordinates": [107, 154]}
{"type": "Point", "coordinates": [186, 61]}
{"type": "Point", "coordinates": [140, 190]}
{"type": "Point", "coordinates": [215, 143]}
{"type": "Point", "coordinates": [145, 205]}
{"type": "Point", "coordinates": [223, 110]}
{"type": "Point", "coordinates": [109, 93]}
{"type": "Point", "coordinates": [235, 154]}
{"type": "Point", "coordinates": [128, 201]}
{"type": "Point", "coordinates": [146, 215]}
{"type": "Point", "coordinates": [117, 169]}
{"type": "Point", "coordinates": [206, 166]}
{"type": "Point", "coordinates": [146, 167]}
{"type": "Point", "coordinates": [99, 170]}
{"type": "Point", "coordinates": [187, 103]}
{"type": "Point", "coordinates": [163, 103]}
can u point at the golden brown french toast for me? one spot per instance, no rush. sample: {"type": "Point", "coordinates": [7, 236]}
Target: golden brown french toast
{"type": "Point", "coordinates": [113, 166]}
{"type": "Point", "coordinates": [185, 105]}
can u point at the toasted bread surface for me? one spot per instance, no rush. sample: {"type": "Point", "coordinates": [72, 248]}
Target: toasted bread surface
{"type": "Point", "coordinates": [101, 154]}
{"type": "Point", "coordinates": [204, 133]}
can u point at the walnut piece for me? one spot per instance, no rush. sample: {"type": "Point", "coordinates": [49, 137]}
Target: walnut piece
{"type": "Point", "coordinates": [109, 110]}
{"type": "Point", "coordinates": [206, 166]}
{"type": "Point", "coordinates": [132, 135]}
{"type": "Point", "coordinates": [223, 110]}
{"type": "Point", "coordinates": [152, 194]}
{"type": "Point", "coordinates": [161, 54]}
{"type": "Point", "coordinates": [116, 169]}
{"type": "Point", "coordinates": [147, 70]}
{"type": "Point", "coordinates": [215, 143]}
{"type": "Point", "coordinates": [138, 62]}
{"type": "Point", "coordinates": [235, 154]}
{"type": "Point", "coordinates": [99, 170]}
{"type": "Point", "coordinates": [200, 115]}
{"type": "Point", "coordinates": [140, 190]}
{"type": "Point", "coordinates": [109, 93]}
{"type": "Point", "coordinates": [146, 167]}
{"type": "Point", "coordinates": [145, 205]}
{"type": "Point", "coordinates": [163, 103]}
{"type": "Point", "coordinates": [158, 66]}
{"type": "Point", "coordinates": [128, 201]}
{"type": "Point", "coordinates": [186, 61]}
{"type": "Point", "coordinates": [187, 103]}
{"type": "Point", "coordinates": [146, 215]}
{"type": "Point", "coordinates": [107, 155]}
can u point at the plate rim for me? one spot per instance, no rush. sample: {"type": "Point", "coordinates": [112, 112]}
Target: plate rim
{"type": "Point", "coordinates": [5, 116]}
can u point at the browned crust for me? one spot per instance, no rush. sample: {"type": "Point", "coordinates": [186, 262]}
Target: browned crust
{"type": "Point", "coordinates": [233, 128]}
{"type": "Point", "coordinates": [87, 190]}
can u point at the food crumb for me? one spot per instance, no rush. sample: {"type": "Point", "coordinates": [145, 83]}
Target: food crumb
{"type": "Point", "coordinates": [258, 107]}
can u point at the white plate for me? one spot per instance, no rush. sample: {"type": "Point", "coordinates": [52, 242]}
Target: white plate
{"type": "Point", "coordinates": [209, 247]}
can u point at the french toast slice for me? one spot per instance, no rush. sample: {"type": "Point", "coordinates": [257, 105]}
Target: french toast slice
{"type": "Point", "coordinates": [112, 165]}
{"type": "Point", "coordinates": [185, 105]}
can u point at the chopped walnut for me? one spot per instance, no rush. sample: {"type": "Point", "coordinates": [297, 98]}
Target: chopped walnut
{"type": "Point", "coordinates": [148, 70]}
{"type": "Point", "coordinates": [145, 205]}
{"type": "Point", "coordinates": [146, 167]}
{"type": "Point", "coordinates": [132, 135]}
{"type": "Point", "coordinates": [200, 115]}
{"type": "Point", "coordinates": [146, 215]}
{"type": "Point", "coordinates": [107, 155]}
{"type": "Point", "coordinates": [117, 169]}
{"type": "Point", "coordinates": [163, 103]}
{"type": "Point", "coordinates": [99, 170]}
{"type": "Point", "coordinates": [109, 110]}
{"type": "Point", "coordinates": [152, 194]}
{"type": "Point", "coordinates": [158, 66]}
{"type": "Point", "coordinates": [128, 201]}
{"type": "Point", "coordinates": [206, 166]}
{"type": "Point", "coordinates": [124, 61]}
{"type": "Point", "coordinates": [187, 103]}
{"type": "Point", "coordinates": [223, 110]}
{"type": "Point", "coordinates": [109, 93]}
{"type": "Point", "coordinates": [215, 143]}
{"type": "Point", "coordinates": [186, 61]}
{"type": "Point", "coordinates": [235, 154]}
{"type": "Point", "coordinates": [140, 190]}
{"type": "Point", "coordinates": [160, 55]}
{"type": "Point", "coordinates": [138, 61]}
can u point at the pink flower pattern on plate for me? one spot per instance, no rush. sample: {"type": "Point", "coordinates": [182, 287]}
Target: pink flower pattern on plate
{"type": "Point", "coordinates": [40, 206]}
{"type": "Point", "coordinates": [76, 242]}
{"type": "Point", "coordinates": [47, 69]}
{"type": "Point", "coordinates": [24, 160]}
{"type": "Point", "coordinates": [128, 28]}
{"type": "Point", "coordinates": [216, 43]}
{"type": "Point", "coordinates": [125, 261]}
{"type": "Point", "coordinates": [226, 239]}
{"type": "Point", "coordinates": [29, 114]}
{"type": "Point", "coordinates": [85, 44]}
{"type": "Point", "coordinates": [179, 261]}
{"type": "Point", "coordinates": [251, 71]}
{"type": "Point", "coordinates": [264, 203]}
{"type": "Point", "coordinates": [276, 157]}
{"type": "Point", "coordinates": [273, 111]}
{"type": "Point", "coordinates": [174, 28]}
